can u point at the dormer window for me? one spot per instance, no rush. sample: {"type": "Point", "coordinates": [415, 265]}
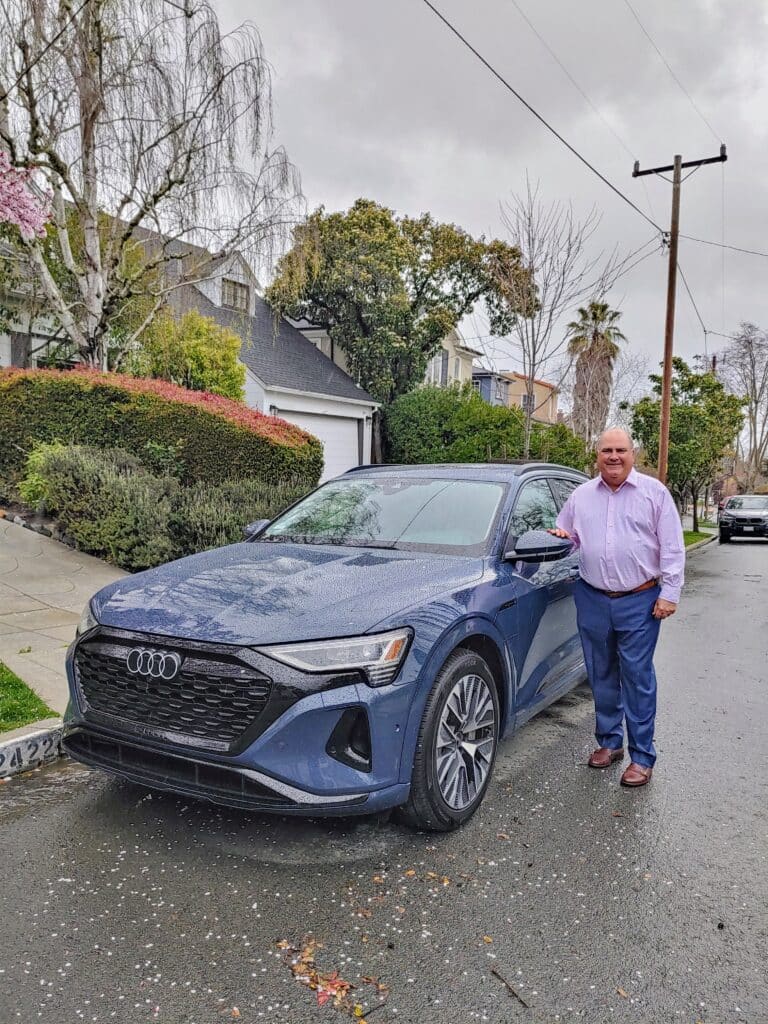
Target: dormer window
{"type": "Point", "coordinates": [235, 295]}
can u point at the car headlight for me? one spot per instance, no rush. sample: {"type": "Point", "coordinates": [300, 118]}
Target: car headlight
{"type": "Point", "coordinates": [87, 620]}
{"type": "Point", "coordinates": [379, 657]}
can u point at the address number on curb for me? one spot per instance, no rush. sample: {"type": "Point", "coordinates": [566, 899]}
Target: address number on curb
{"type": "Point", "coordinates": [26, 752]}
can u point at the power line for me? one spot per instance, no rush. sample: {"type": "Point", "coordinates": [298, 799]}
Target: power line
{"type": "Point", "coordinates": [571, 79]}
{"type": "Point", "coordinates": [667, 65]}
{"type": "Point", "coordinates": [538, 116]}
{"type": "Point", "coordinates": [722, 245]}
{"type": "Point", "coordinates": [693, 301]}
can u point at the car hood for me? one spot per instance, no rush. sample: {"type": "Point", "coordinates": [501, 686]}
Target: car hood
{"type": "Point", "coordinates": [275, 593]}
{"type": "Point", "coordinates": [745, 513]}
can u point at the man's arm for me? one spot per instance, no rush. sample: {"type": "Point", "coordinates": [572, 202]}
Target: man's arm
{"type": "Point", "coordinates": [669, 532]}
{"type": "Point", "coordinates": [564, 526]}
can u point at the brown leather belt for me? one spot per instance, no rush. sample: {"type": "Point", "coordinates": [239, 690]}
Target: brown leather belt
{"type": "Point", "coordinates": [625, 593]}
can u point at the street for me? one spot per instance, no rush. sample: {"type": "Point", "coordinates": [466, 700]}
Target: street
{"type": "Point", "coordinates": [565, 899]}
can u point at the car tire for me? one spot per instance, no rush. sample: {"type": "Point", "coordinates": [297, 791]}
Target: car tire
{"type": "Point", "coordinates": [724, 537]}
{"type": "Point", "coordinates": [449, 778]}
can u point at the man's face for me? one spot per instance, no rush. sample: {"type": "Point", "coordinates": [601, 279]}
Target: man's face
{"type": "Point", "coordinates": [615, 457]}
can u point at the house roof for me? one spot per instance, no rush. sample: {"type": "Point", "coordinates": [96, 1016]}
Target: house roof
{"type": "Point", "coordinates": [278, 354]}
{"type": "Point", "coordinates": [521, 376]}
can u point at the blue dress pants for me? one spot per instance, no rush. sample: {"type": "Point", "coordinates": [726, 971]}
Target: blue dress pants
{"type": "Point", "coordinates": [618, 635]}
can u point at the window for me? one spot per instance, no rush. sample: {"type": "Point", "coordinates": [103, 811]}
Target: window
{"type": "Point", "coordinates": [234, 294]}
{"type": "Point", "coordinates": [478, 386]}
{"type": "Point", "coordinates": [563, 488]}
{"type": "Point", "coordinates": [535, 509]}
{"type": "Point", "coordinates": [457, 368]}
{"type": "Point", "coordinates": [421, 514]}
{"type": "Point", "coordinates": [528, 402]}
{"type": "Point", "coordinates": [500, 390]}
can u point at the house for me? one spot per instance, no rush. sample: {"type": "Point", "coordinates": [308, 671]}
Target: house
{"type": "Point", "coordinates": [492, 386]}
{"type": "Point", "coordinates": [544, 396]}
{"type": "Point", "coordinates": [453, 363]}
{"type": "Point", "coordinates": [286, 375]}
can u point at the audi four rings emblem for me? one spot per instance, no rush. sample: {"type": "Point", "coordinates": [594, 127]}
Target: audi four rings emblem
{"type": "Point", "coordinates": [153, 664]}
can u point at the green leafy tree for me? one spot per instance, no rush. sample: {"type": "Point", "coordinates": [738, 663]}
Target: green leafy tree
{"type": "Point", "coordinates": [593, 340]}
{"type": "Point", "coordinates": [704, 424]}
{"type": "Point", "coordinates": [388, 289]}
{"type": "Point", "coordinates": [195, 352]}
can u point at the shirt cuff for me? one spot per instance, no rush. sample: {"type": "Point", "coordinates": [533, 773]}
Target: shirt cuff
{"type": "Point", "coordinates": [670, 593]}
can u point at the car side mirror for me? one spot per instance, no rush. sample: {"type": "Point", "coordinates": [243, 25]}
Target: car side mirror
{"type": "Point", "coordinates": [539, 546]}
{"type": "Point", "coordinates": [252, 530]}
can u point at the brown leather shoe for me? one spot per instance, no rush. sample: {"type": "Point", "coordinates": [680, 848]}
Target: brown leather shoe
{"type": "Point", "coordinates": [636, 775]}
{"type": "Point", "coordinates": [604, 757]}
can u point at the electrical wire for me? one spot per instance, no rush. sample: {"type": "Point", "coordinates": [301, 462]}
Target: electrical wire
{"type": "Point", "coordinates": [538, 116]}
{"type": "Point", "coordinates": [667, 65]}
{"type": "Point", "coordinates": [722, 245]}
{"type": "Point", "coordinates": [693, 301]}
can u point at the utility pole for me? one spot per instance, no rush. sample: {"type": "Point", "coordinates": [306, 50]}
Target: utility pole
{"type": "Point", "coordinates": [669, 328]}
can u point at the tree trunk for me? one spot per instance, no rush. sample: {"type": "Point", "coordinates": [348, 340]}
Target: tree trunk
{"type": "Point", "coordinates": [695, 503]}
{"type": "Point", "coordinates": [376, 447]}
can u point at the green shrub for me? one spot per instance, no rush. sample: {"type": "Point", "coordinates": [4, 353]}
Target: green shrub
{"type": "Point", "coordinates": [206, 516]}
{"type": "Point", "coordinates": [215, 438]}
{"type": "Point", "coordinates": [114, 508]}
{"type": "Point", "coordinates": [33, 487]}
{"type": "Point", "coordinates": [433, 424]}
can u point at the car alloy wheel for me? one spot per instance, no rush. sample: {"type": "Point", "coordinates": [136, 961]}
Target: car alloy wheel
{"type": "Point", "coordinates": [456, 746]}
{"type": "Point", "coordinates": [466, 739]}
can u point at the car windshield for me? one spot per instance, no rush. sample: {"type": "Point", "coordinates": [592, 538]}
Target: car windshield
{"type": "Point", "coordinates": [751, 501]}
{"type": "Point", "coordinates": [410, 514]}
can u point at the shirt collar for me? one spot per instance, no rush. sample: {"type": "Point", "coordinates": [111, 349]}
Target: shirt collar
{"type": "Point", "coordinates": [632, 480]}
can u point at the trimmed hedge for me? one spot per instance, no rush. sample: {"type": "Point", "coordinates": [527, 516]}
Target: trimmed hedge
{"type": "Point", "coordinates": [453, 424]}
{"type": "Point", "coordinates": [215, 438]}
{"type": "Point", "coordinates": [113, 507]}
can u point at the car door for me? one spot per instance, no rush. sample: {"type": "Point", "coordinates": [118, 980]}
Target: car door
{"type": "Point", "coordinates": [540, 640]}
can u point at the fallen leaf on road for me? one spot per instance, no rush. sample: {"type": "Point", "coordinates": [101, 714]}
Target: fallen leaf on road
{"type": "Point", "coordinates": [622, 993]}
{"type": "Point", "coordinates": [410, 873]}
{"type": "Point", "coordinates": [487, 939]}
{"type": "Point", "coordinates": [378, 880]}
{"type": "Point", "coordinates": [502, 835]}
{"type": "Point", "coordinates": [617, 814]}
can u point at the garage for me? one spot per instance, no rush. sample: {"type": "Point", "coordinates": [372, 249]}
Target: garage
{"type": "Point", "coordinates": [341, 437]}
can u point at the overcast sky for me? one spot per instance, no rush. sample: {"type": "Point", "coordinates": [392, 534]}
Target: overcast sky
{"type": "Point", "coordinates": [377, 98]}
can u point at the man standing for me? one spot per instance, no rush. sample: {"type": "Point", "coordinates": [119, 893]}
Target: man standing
{"type": "Point", "coordinates": [631, 560]}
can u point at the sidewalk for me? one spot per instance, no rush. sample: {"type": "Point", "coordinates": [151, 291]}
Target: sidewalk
{"type": "Point", "coordinates": [44, 586]}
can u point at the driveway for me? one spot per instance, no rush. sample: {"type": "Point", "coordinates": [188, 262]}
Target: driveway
{"type": "Point", "coordinates": [565, 899]}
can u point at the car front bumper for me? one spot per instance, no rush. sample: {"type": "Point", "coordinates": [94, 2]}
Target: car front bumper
{"type": "Point", "coordinates": [289, 759]}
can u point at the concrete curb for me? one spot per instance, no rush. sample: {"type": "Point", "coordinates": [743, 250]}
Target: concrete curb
{"type": "Point", "coordinates": [701, 543]}
{"type": "Point", "coordinates": [29, 747]}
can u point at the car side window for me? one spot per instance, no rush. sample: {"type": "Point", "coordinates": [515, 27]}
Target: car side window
{"type": "Point", "coordinates": [563, 488]}
{"type": "Point", "coordinates": [535, 509]}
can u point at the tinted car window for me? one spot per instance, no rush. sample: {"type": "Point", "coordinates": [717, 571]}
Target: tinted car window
{"type": "Point", "coordinates": [563, 488]}
{"type": "Point", "coordinates": [455, 516]}
{"type": "Point", "coordinates": [535, 509]}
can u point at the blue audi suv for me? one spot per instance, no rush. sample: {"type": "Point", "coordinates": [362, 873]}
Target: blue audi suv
{"type": "Point", "coordinates": [367, 649]}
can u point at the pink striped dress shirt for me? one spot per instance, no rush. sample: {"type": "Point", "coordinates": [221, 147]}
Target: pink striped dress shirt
{"type": "Point", "coordinates": [628, 536]}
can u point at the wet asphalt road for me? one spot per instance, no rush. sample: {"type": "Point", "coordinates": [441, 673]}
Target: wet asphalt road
{"type": "Point", "coordinates": [594, 903]}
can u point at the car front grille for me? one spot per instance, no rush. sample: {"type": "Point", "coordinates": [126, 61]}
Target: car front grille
{"type": "Point", "coordinates": [210, 702]}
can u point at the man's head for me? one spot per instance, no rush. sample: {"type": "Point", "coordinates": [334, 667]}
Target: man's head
{"type": "Point", "coordinates": [615, 456]}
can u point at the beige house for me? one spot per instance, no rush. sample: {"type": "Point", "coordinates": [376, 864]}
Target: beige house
{"type": "Point", "coordinates": [453, 363]}
{"type": "Point", "coordinates": [544, 396]}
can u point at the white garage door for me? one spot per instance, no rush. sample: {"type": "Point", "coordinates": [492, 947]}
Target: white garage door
{"type": "Point", "coordinates": [339, 437]}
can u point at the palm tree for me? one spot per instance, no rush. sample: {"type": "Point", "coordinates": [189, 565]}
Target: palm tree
{"type": "Point", "coordinates": [593, 342]}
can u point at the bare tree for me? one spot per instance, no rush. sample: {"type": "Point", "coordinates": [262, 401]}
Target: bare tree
{"type": "Point", "coordinates": [743, 367]}
{"type": "Point", "coordinates": [149, 129]}
{"type": "Point", "coordinates": [554, 249]}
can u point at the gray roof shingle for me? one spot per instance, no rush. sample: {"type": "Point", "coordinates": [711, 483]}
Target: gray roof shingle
{"type": "Point", "coordinates": [278, 354]}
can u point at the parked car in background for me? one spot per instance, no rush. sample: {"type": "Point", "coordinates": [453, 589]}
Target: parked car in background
{"type": "Point", "coordinates": [365, 650]}
{"type": "Point", "coordinates": [744, 515]}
